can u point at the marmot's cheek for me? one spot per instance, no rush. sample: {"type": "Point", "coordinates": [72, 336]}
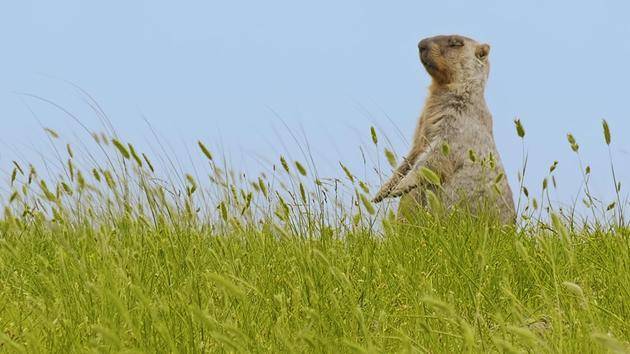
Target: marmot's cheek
{"type": "Point", "coordinates": [442, 66]}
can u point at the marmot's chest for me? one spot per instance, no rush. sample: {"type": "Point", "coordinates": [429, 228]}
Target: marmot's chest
{"type": "Point", "coordinates": [449, 123]}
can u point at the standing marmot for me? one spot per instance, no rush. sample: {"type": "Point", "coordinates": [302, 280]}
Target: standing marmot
{"type": "Point", "coordinates": [454, 134]}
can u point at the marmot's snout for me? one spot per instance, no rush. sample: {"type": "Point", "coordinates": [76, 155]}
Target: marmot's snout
{"type": "Point", "coordinates": [423, 47]}
{"type": "Point", "coordinates": [429, 56]}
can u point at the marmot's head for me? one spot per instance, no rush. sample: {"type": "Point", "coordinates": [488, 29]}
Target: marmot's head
{"type": "Point", "coordinates": [454, 59]}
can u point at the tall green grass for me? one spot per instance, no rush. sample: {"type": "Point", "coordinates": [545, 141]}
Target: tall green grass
{"type": "Point", "coordinates": [112, 254]}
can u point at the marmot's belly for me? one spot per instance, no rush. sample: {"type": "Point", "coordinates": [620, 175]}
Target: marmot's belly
{"type": "Point", "coordinates": [471, 188]}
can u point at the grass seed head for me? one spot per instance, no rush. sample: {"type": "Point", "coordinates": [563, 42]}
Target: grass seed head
{"type": "Point", "coordinates": [300, 168]}
{"type": "Point", "coordinates": [134, 154]}
{"type": "Point", "coordinates": [606, 131]}
{"type": "Point", "coordinates": [284, 163]}
{"type": "Point", "coordinates": [52, 133]}
{"type": "Point", "coordinates": [364, 187]}
{"type": "Point", "coordinates": [47, 193]}
{"type": "Point", "coordinates": [391, 158]}
{"type": "Point", "coordinates": [559, 227]}
{"type": "Point", "coordinates": [347, 172]}
{"type": "Point", "coordinates": [367, 204]}
{"type": "Point", "coordinates": [14, 196]}
{"type": "Point", "coordinates": [374, 137]}
{"type": "Point", "coordinates": [434, 202]}
{"type": "Point", "coordinates": [430, 176]}
{"type": "Point", "coordinates": [574, 145]}
{"type": "Point", "coordinates": [17, 166]}
{"type": "Point", "coordinates": [223, 211]}
{"type": "Point", "coordinates": [520, 131]}
{"type": "Point", "coordinates": [204, 150]}
{"type": "Point", "coordinates": [109, 179]}
{"type": "Point", "coordinates": [263, 187]}
{"type": "Point", "coordinates": [146, 159]}
{"type": "Point", "coordinates": [71, 169]}
{"type": "Point", "coordinates": [121, 148]}
{"type": "Point", "coordinates": [303, 193]}
{"type": "Point", "coordinates": [446, 149]}
{"type": "Point", "coordinates": [81, 181]}
{"type": "Point", "coordinates": [69, 150]}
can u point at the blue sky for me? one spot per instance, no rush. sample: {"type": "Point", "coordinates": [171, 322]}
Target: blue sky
{"type": "Point", "coordinates": [230, 72]}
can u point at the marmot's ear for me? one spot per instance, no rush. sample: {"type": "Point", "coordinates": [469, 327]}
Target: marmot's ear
{"type": "Point", "coordinates": [482, 51]}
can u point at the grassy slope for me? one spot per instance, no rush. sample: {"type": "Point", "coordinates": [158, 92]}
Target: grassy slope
{"type": "Point", "coordinates": [442, 286]}
{"type": "Point", "coordinates": [108, 256]}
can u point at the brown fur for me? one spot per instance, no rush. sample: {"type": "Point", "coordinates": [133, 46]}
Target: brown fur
{"type": "Point", "coordinates": [455, 114]}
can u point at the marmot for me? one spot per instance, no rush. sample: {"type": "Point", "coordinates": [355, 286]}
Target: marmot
{"type": "Point", "coordinates": [454, 137]}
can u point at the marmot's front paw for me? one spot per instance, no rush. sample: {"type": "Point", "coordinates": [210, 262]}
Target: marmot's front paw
{"type": "Point", "coordinates": [400, 190]}
{"type": "Point", "coordinates": [380, 196]}
{"type": "Point", "coordinates": [408, 183]}
{"type": "Point", "coordinates": [383, 192]}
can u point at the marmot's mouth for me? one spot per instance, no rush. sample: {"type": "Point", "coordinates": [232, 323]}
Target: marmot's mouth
{"type": "Point", "coordinates": [433, 70]}
{"type": "Point", "coordinates": [426, 61]}
{"type": "Point", "coordinates": [428, 64]}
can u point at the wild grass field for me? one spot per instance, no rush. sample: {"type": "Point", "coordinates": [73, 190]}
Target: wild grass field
{"type": "Point", "coordinates": [109, 254]}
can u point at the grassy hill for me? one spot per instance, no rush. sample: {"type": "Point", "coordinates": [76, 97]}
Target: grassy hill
{"type": "Point", "coordinates": [110, 256]}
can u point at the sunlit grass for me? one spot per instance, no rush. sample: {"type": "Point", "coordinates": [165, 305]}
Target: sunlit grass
{"type": "Point", "coordinates": [112, 255]}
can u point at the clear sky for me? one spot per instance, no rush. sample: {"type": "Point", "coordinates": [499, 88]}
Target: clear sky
{"type": "Point", "coordinates": [227, 72]}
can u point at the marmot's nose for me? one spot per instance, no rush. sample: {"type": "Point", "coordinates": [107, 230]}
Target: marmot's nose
{"type": "Point", "coordinates": [423, 45]}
